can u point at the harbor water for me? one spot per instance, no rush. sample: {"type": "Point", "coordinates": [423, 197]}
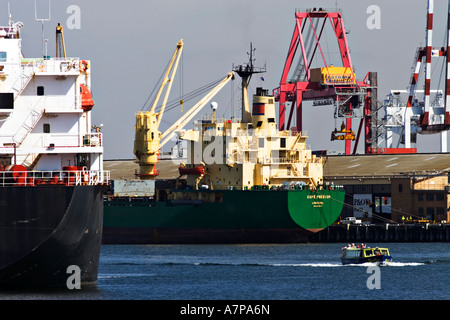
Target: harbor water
{"type": "Point", "coordinates": [420, 271]}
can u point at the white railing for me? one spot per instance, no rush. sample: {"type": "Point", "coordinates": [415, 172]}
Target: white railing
{"type": "Point", "coordinates": [57, 177]}
{"type": "Point", "coordinates": [57, 140]}
{"type": "Point", "coordinates": [53, 65]}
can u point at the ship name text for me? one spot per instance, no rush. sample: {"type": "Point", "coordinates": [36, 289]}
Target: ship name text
{"type": "Point", "coordinates": [319, 196]}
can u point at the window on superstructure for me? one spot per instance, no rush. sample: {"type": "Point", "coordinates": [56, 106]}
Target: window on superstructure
{"type": "Point", "coordinates": [282, 142]}
{"type": "Point", "coordinates": [7, 100]}
{"type": "Point", "coordinates": [40, 90]}
{"type": "Point", "coordinates": [46, 127]}
{"type": "Point", "coordinates": [2, 56]}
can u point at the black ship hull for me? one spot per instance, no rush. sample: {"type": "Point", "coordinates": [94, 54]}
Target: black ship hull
{"type": "Point", "coordinates": [46, 229]}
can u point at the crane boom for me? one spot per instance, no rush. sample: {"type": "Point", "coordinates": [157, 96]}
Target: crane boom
{"type": "Point", "coordinates": [148, 139]}
{"type": "Point", "coordinates": [178, 125]}
{"type": "Point", "coordinates": [176, 55]}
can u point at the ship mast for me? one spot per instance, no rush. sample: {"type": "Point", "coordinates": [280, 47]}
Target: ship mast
{"type": "Point", "coordinates": [246, 72]}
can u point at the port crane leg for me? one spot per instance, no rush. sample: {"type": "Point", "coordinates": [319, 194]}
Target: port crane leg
{"type": "Point", "coordinates": [282, 111]}
{"type": "Point", "coordinates": [429, 36]}
{"type": "Point", "coordinates": [447, 83]}
{"type": "Point", "coordinates": [348, 142]}
{"type": "Point", "coordinates": [299, 107]}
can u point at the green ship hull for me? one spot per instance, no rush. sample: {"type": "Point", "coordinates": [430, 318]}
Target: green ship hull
{"type": "Point", "coordinates": [225, 216]}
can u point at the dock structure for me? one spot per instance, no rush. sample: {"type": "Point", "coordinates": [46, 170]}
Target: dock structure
{"type": "Point", "coordinates": [383, 233]}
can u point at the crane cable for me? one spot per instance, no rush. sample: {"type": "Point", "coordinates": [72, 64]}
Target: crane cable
{"type": "Point", "coordinates": [154, 88]}
{"type": "Point", "coordinates": [183, 98]}
{"type": "Point", "coordinates": [181, 83]}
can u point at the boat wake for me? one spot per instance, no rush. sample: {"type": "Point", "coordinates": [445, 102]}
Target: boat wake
{"type": "Point", "coordinates": [388, 264]}
{"type": "Point", "coordinates": [105, 276]}
{"type": "Point", "coordinates": [269, 264]}
{"type": "Point", "coordinates": [313, 265]}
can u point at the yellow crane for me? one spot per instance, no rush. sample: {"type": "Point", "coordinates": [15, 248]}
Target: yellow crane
{"type": "Point", "coordinates": [148, 139]}
{"type": "Point", "coordinates": [60, 46]}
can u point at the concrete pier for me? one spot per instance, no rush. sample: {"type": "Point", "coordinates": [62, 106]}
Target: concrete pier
{"type": "Point", "coordinates": [383, 233]}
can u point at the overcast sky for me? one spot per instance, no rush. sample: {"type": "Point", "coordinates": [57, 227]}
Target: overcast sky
{"type": "Point", "coordinates": [130, 42]}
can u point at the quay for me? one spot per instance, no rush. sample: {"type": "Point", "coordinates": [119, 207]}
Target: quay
{"type": "Point", "coordinates": [383, 233]}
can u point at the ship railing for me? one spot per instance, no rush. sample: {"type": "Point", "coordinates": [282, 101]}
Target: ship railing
{"type": "Point", "coordinates": [53, 65]}
{"type": "Point", "coordinates": [55, 177]}
{"type": "Point", "coordinates": [294, 132]}
{"type": "Point", "coordinates": [57, 140]}
{"type": "Point", "coordinates": [92, 140]}
{"type": "Point", "coordinates": [288, 160]}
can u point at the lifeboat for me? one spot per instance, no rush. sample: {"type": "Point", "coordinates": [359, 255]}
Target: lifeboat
{"type": "Point", "coordinates": [17, 173]}
{"type": "Point", "coordinates": [86, 98]}
{"type": "Point", "coordinates": [194, 170]}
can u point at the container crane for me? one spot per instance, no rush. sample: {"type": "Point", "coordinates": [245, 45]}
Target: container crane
{"type": "Point", "coordinates": [148, 139]}
{"type": "Point", "coordinates": [326, 85]}
{"type": "Point", "coordinates": [427, 116]}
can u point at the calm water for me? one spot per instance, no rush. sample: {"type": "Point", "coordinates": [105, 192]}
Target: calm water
{"type": "Point", "coordinates": [259, 272]}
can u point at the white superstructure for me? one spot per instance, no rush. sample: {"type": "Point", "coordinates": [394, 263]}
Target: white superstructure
{"type": "Point", "coordinates": [45, 111]}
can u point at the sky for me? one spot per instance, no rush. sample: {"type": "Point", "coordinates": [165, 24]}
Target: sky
{"type": "Point", "coordinates": [130, 43]}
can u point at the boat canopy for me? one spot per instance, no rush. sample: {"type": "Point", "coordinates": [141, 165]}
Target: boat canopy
{"type": "Point", "coordinates": [365, 252]}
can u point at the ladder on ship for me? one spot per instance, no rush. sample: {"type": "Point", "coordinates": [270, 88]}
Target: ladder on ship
{"type": "Point", "coordinates": [22, 81]}
{"type": "Point", "coordinates": [29, 123]}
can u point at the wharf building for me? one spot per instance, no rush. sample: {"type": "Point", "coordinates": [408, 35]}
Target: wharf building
{"type": "Point", "coordinates": [393, 188]}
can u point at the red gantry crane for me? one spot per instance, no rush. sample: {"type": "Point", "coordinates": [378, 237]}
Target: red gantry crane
{"type": "Point", "coordinates": [328, 84]}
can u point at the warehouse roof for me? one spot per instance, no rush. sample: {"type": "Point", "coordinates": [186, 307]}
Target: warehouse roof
{"type": "Point", "coordinates": [386, 165]}
{"type": "Point", "coordinates": [126, 169]}
{"type": "Point", "coordinates": [383, 165]}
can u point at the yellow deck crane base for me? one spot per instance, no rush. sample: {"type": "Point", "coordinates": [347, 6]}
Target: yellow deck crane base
{"type": "Point", "coordinates": [148, 139]}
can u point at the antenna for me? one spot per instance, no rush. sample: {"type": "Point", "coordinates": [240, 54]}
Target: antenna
{"type": "Point", "coordinates": [42, 20]}
{"type": "Point", "coordinates": [9, 16]}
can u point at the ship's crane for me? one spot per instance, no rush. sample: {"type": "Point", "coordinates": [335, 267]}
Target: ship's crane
{"type": "Point", "coordinates": [60, 46]}
{"type": "Point", "coordinates": [148, 139]}
{"type": "Point", "coordinates": [328, 84]}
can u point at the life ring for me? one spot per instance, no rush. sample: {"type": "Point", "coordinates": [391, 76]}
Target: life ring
{"type": "Point", "coordinates": [84, 65]}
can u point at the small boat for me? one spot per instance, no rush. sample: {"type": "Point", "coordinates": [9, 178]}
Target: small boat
{"type": "Point", "coordinates": [358, 255]}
